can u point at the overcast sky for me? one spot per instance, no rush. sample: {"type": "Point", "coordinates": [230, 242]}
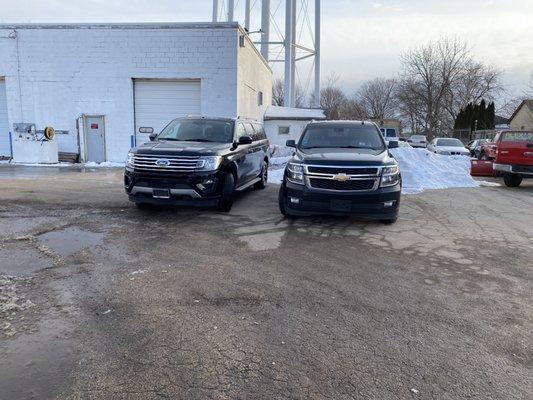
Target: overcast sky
{"type": "Point", "coordinates": [361, 39]}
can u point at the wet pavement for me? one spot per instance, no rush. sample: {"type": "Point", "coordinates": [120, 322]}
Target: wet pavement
{"type": "Point", "coordinates": [100, 300]}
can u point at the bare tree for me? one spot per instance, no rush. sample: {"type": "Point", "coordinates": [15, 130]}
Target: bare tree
{"type": "Point", "coordinates": [432, 71]}
{"type": "Point", "coordinates": [332, 98]}
{"type": "Point", "coordinates": [477, 82]}
{"type": "Point", "coordinates": [377, 99]}
{"type": "Point", "coordinates": [278, 94]}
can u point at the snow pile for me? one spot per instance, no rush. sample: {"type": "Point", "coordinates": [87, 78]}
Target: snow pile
{"type": "Point", "coordinates": [423, 170]}
{"type": "Point", "coordinates": [105, 164]}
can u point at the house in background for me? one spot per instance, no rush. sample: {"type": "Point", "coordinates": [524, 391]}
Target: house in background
{"type": "Point", "coordinates": [286, 123]}
{"type": "Point", "coordinates": [522, 118]}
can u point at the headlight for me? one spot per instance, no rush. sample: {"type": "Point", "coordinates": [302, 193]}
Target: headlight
{"type": "Point", "coordinates": [390, 176]}
{"type": "Point", "coordinates": [295, 173]}
{"type": "Point", "coordinates": [130, 160]}
{"type": "Point", "coordinates": [208, 163]}
{"type": "Point", "coordinates": [443, 152]}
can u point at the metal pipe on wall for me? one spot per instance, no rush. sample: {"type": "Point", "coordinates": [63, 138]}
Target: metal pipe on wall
{"type": "Point", "coordinates": [293, 54]}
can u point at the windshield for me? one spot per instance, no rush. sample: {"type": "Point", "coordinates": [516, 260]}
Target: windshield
{"type": "Point", "coordinates": [450, 142]}
{"type": "Point", "coordinates": [342, 136]}
{"type": "Point", "coordinates": [200, 130]}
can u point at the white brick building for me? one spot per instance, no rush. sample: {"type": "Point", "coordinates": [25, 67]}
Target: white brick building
{"type": "Point", "coordinates": [117, 80]}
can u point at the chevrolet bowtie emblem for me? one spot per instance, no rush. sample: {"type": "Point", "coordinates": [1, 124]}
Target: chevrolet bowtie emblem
{"type": "Point", "coordinates": [341, 177]}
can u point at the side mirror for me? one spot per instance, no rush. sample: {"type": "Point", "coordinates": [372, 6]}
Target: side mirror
{"type": "Point", "coordinates": [290, 143]}
{"type": "Point", "coordinates": [245, 140]}
{"type": "Point", "coordinates": [152, 136]}
{"type": "Point", "coordinates": [393, 144]}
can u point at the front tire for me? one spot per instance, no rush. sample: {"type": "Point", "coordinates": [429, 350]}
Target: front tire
{"type": "Point", "coordinates": [512, 180]}
{"type": "Point", "coordinates": [226, 200]}
{"type": "Point", "coordinates": [264, 177]}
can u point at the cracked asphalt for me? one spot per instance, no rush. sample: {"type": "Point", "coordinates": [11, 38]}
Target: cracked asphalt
{"type": "Point", "coordinates": [100, 300]}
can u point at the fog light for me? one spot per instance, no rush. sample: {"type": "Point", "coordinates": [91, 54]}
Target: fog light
{"type": "Point", "coordinates": [295, 200]}
{"type": "Point", "coordinates": [389, 203]}
{"type": "Point", "coordinates": [208, 182]}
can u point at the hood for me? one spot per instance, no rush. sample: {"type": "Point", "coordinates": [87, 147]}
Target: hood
{"type": "Point", "coordinates": [170, 147]}
{"type": "Point", "coordinates": [354, 157]}
{"type": "Point", "coordinates": [452, 148]}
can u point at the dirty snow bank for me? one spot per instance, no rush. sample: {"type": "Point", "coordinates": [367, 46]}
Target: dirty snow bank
{"type": "Point", "coordinates": [105, 164]}
{"type": "Point", "coordinates": [423, 170]}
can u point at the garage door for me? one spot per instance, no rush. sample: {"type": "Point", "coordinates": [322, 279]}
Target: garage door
{"type": "Point", "coordinates": [4, 127]}
{"type": "Point", "coordinates": [159, 102]}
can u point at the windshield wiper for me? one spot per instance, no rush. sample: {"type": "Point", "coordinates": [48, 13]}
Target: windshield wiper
{"type": "Point", "coordinates": [197, 140]}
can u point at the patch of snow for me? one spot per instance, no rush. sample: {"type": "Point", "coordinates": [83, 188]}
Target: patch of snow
{"type": "Point", "coordinates": [488, 184]}
{"type": "Point", "coordinates": [105, 164]}
{"type": "Point", "coordinates": [423, 170]}
{"type": "Point", "coordinates": [60, 165]}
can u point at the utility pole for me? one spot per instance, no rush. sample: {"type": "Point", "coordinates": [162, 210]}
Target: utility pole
{"type": "Point", "coordinates": [231, 10]}
{"type": "Point", "coordinates": [317, 54]}
{"type": "Point", "coordinates": [287, 93]}
{"type": "Point", "coordinates": [247, 15]}
{"type": "Point", "coordinates": [215, 10]}
{"type": "Point", "coordinates": [265, 28]}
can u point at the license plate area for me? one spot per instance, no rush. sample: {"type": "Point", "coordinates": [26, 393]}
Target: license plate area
{"type": "Point", "coordinates": [161, 193]}
{"type": "Point", "coordinates": [341, 205]}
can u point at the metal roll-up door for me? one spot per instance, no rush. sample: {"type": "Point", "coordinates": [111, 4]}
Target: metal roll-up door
{"type": "Point", "coordinates": [5, 149]}
{"type": "Point", "coordinates": [157, 102]}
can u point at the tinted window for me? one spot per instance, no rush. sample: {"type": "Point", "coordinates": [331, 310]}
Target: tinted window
{"type": "Point", "coordinates": [342, 136]}
{"type": "Point", "coordinates": [201, 130]}
{"type": "Point", "coordinates": [391, 132]}
{"type": "Point", "coordinates": [250, 131]}
{"type": "Point", "coordinates": [260, 130]}
{"type": "Point", "coordinates": [450, 142]}
{"type": "Point", "coordinates": [241, 131]}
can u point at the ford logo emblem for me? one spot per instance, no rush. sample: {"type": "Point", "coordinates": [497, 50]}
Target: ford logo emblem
{"type": "Point", "coordinates": [162, 162]}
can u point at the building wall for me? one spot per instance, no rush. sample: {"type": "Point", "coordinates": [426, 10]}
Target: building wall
{"type": "Point", "coordinates": [54, 74]}
{"type": "Point", "coordinates": [254, 76]}
{"type": "Point", "coordinates": [296, 128]}
{"type": "Point", "coordinates": [523, 120]}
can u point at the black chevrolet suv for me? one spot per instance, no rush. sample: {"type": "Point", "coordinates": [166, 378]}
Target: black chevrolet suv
{"type": "Point", "coordinates": [341, 167]}
{"type": "Point", "coordinates": [198, 161]}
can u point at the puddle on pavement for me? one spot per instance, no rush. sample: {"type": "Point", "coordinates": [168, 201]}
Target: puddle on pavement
{"type": "Point", "coordinates": [38, 365]}
{"type": "Point", "coordinates": [70, 240]}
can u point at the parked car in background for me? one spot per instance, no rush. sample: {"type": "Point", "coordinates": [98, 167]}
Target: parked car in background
{"type": "Point", "coordinates": [198, 161]}
{"type": "Point", "coordinates": [341, 168]}
{"type": "Point", "coordinates": [475, 147]}
{"type": "Point", "coordinates": [448, 147]}
{"type": "Point", "coordinates": [417, 141]}
{"type": "Point", "coordinates": [514, 156]}
{"type": "Point", "coordinates": [488, 148]}
{"type": "Point", "coordinates": [389, 133]}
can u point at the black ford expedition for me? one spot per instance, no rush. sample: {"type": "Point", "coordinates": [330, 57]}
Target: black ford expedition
{"type": "Point", "coordinates": [198, 161]}
{"type": "Point", "coordinates": [341, 168]}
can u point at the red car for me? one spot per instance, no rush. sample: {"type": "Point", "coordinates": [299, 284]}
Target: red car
{"type": "Point", "coordinates": [514, 156]}
{"type": "Point", "coordinates": [489, 148]}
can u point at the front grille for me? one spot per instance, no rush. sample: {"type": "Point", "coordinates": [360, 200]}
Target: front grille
{"type": "Point", "coordinates": [342, 170]}
{"type": "Point", "coordinates": [148, 162]}
{"type": "Point", "coordinates": [330, 184]}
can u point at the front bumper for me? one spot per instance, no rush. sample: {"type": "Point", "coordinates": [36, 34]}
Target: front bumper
{"type": "Point", "coordinates": [199, 188]}
{"type": "Point", "coordinates": [524, 170]}
{"type": "Point", "coordinates": [382, 203]}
